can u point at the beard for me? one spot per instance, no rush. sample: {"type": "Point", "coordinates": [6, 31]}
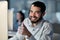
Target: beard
{"type": "Point", "coordinates": [36, 18]}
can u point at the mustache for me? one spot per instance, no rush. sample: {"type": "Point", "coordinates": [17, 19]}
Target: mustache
{"type": "Point", "coordinates": [33, 16]}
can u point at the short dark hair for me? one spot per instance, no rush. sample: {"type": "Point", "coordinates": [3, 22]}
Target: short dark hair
{"type": "Point", "coordinates": [40, 5]}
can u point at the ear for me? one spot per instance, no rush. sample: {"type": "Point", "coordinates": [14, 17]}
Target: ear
{"type": "Point", "coordinates": [43, 14]}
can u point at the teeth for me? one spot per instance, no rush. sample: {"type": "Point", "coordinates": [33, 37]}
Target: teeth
{"type": "Point", "coordinates": [33, 18]}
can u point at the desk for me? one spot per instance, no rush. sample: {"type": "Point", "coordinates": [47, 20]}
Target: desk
{"type": "Point", "coordinates": [11, 34]}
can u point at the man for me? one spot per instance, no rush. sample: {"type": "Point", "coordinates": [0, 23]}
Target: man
{"type": "Point", "coordinates": [35, 27]}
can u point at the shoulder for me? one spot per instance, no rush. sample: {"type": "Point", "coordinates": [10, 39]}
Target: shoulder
{"type": "Point", "coordinates": [47, 28]}
{"type": "Point", "coordinates": [26, 20]}
{"type": "Point", "coordinates": [47, 24]}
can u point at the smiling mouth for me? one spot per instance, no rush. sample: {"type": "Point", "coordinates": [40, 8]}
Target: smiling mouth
{"type": "Point", "coordinates": [33, 18]}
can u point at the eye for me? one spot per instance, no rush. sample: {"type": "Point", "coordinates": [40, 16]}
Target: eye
{"type": "Point", "coordinates": [38, 12]}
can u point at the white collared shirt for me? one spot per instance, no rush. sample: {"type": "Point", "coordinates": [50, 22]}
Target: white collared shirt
{"type": "Point", "coordinates": [42, 31]}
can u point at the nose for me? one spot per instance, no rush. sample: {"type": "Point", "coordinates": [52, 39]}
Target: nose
{"type": "Point", "coordinates": [33, 13]}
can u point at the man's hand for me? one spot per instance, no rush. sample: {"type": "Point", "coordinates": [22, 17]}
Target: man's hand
{"type": "Point", "coordinates": [23, 30]}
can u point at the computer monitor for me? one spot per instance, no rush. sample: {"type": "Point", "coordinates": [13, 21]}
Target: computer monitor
{"type": "Point", "coordinates": [10, 19]}
{"type": "Point", "coordinates": [3, 20]}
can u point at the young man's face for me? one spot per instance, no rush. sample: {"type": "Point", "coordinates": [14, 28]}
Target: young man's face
{"type": "Point", "coordinates": [35, 13]}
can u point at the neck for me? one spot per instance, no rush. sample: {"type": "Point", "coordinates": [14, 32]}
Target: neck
{"type": "Point", "coordinates": [18, 20]}
{"type": "Point", "coordinates": [36, 23]}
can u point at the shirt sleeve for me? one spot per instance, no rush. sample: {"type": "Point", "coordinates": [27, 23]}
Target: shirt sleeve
{"type": "Point", "coordinates": [46, 34]}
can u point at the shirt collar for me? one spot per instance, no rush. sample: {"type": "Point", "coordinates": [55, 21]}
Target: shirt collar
{"type": "Point", "coordinates": [39, 23]}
